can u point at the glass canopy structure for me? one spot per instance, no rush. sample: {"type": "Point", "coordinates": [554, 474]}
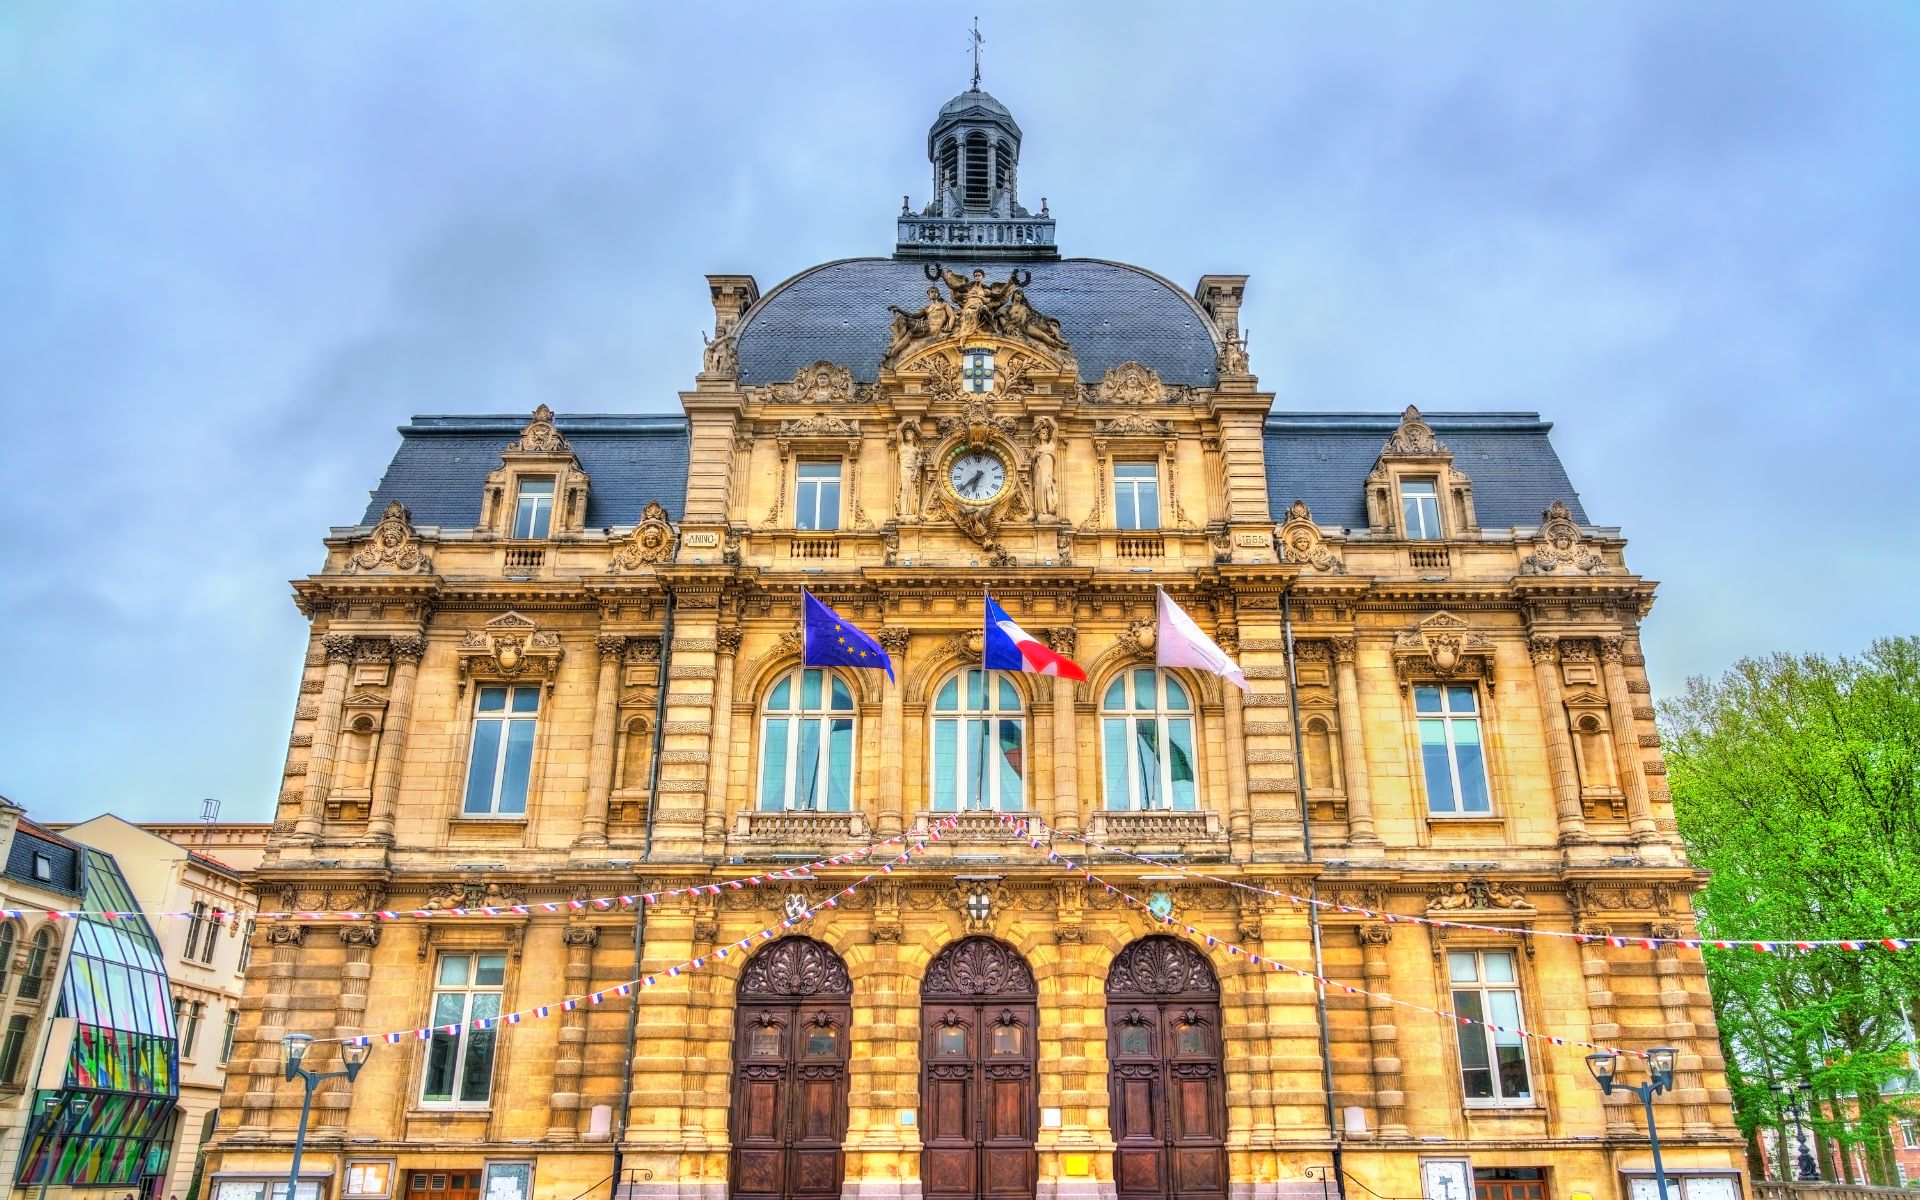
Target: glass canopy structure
{"type": "Point", "coordinates": [111, 1123]}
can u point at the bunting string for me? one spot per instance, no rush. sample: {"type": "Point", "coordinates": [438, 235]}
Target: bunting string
{"type": "Point", "coordinates": [1765, 946]}
{"type": "Point", "coordinates": [592, 903]}
{"type": "Point", "coordinates": [1233, 950]}
{"type": "Point", "coordinates": [653, 978]}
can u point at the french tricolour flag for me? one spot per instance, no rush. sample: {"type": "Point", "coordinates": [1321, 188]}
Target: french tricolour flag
{"type": "Point", "coordinates": [1011, 648]}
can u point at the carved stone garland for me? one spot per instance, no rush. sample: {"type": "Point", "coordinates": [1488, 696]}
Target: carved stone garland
{"type": "Point", "coordinates": [1560, 547]}
{"type": "Point", "coordinates": [393, 546]}
{"type": "Point", "coordinates": [978, 966]}
{"type": "Point", "coordinates": [651, 543]}
{"type": "Point", "coordinates": [1300, 541]}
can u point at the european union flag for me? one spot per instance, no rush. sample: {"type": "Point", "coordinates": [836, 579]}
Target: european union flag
{"type": "Point", "coordinates": [832, 641]}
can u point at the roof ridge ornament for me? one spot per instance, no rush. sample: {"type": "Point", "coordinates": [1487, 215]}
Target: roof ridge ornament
{"type": "Point", "coordinates": [1414, 438]}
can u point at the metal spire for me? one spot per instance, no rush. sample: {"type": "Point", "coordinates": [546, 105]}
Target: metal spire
{"type": "Point", "coordinates": [976, 39]}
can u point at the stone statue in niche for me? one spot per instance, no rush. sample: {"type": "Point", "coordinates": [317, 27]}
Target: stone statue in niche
{"type": "Point", "coordinates": [907, 502]}
{"type": "Point", "coordinates": [1046, 498]}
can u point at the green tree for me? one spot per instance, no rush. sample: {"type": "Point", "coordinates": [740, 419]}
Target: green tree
{"type": "Point", "coordinates": [1796, 781]}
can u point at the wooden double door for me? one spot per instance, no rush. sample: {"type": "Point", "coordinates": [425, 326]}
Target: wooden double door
{"type": "Point", "coordinates": [789, 1111]}
{"type": "Point", "coordinates": [1165, 1079]}
{"type": "Point", "coordinates": [979, 1103]}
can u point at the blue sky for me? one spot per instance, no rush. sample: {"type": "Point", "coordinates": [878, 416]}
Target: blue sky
{"type": "Point", "coordinates": [239, 244]}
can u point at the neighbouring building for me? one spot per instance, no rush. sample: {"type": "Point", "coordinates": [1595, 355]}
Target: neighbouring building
{"type": "Point", "coordinates": [205, 955]}
{"type": "Point", "coordinates": [39, 875]}
{"type": "Point", "coordinates": [558, 659]}
{"type": "Point", "coordinates": [105, 1109]}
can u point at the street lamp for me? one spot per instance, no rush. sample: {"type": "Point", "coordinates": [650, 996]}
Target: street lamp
{"type": "Point", "coordinates": [293, 1054]}
{"type": "Point", "coordinates": [1606, 1069]}
{"type": "Point", "coordinates": [1795, 1094]}
{"type": "Point", "coordinates": [69, 1121]}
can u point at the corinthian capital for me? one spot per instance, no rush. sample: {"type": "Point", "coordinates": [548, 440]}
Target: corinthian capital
{"type": "Point", "coordinates": [726, 639]}
{"type": "Point", "coordinates": [339, 646]}
{"type": "Point", "coordinates": [1543, 649]}
{"type": "Point", "coordinates": [1613, 648]}
{"type": "Point", "coordinates": [1345, 648]}
{"type": "Point", "coordinates": [893, 638]}
{"type": "Point", "coordinates": [408, 647]}
{"type": "Point", "coordinates": [611, 646]}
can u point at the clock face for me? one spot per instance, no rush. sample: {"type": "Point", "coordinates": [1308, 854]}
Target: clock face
{"type": "Point", "coordinates": [977, 476]}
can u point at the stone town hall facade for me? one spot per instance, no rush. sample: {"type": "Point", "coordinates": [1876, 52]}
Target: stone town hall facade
{"type": "Point", "coordinates": [558, 658]}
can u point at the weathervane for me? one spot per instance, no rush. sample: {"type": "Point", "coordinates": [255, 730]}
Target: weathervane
{"type": "Point", "coordinates": [976, 39]}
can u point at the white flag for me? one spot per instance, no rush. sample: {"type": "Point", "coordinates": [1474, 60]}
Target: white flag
{"type": "Point", "coordinates": [1180, 643]}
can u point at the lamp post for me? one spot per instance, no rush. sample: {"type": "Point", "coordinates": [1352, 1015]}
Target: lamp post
{"type": "Point", "coordinates": [69, 1121]}
{"type": "Point", "coordinates": [1606, 1069]}
{"type": "Point", "coordinates": [1795, 1095]}
{"type": "Point", "coordinates": [293, 1054]}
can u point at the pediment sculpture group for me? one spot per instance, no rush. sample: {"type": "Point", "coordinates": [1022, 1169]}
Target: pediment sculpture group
{"type": "Point", "coordinates": [973, 306]}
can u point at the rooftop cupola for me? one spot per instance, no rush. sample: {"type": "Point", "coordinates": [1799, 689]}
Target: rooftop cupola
{"type": "Point", "coordinates": [975, 212]}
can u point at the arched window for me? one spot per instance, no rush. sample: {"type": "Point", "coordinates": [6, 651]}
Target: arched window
{"type": "Point", "coordinates": [949, 167]}
{"type": "Point", "coordinates": [979, 168]}
{"type": "Point", "coordinates": [1002, 164]}
{"type": "Point", "coordinates": [1320, 750]}
{"type": "Point", "coordinates": [979, 744]}
{"type": "Point", "coordinates": [8, 936]}
{"type": "Point", "coordinates": [1146, 729]}
{"type": "Point", "coordinates": [32, 978]}
{"type": "Point", "coordinates": [806, 743]}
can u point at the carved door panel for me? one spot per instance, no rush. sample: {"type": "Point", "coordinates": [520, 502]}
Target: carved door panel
{"type": "Point", "coordinates": [789, 1113]}
{"type": "Point", "coordinates": [979, 1099]}
{"type": "Point", "coordinates": [1165, 1078]}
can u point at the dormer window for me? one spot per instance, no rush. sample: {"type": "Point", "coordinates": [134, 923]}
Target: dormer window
{"type": "Point", "coordinates": [533, 510]}
{"type": "Point", "coordinates": [1419, 508]}
{"type": "Point", "coordinates": [43, 868]}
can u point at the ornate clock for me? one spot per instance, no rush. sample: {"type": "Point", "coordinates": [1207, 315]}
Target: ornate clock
{"type": "Point", "coordinates": [977, 477]}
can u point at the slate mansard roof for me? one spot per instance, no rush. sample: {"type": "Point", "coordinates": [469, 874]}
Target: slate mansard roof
{"type": "Point", "coordinates": [442, 466]}
{"type": "Point", "coordinates": [1110, 312]}
{"type": "Point", "coordinates": [1324, 459]}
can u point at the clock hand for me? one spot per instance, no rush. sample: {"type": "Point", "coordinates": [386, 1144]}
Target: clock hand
{"type": "Point", "coordinates": [973, 484]}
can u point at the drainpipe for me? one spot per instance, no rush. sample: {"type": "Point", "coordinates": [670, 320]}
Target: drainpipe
{"type": "Point", "coordinates": [640, 912]}
{"type": "Point", "coordinates": [1313, 893]}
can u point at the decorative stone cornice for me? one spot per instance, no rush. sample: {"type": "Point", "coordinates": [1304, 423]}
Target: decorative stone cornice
{"type": "Point", "coordinates": [393, 546]}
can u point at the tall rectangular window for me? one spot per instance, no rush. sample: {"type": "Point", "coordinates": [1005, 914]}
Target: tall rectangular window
{"type": "Point", "coordinates": [1419, 508]}
{"type": "Point", "coordinates": [227, 1035]}
{"type": "Point", "coordinates": [1493, 1062]}
{"type": "Point", "coordinates": [816, 501]}
{"type": "Point", "coordinates": [533, 509]}
{"type": "Point", "coordinates": [502, 756]}
{"type": "Point", "coordinates": [460, 1065]}
{"type": "Point", "coordinates": [196, 922]}
{"type": "Point", "coordinates": [189, 1026]}
{"type": "Point", "coordinates": [12, 1050]}
{"type": "Point", "coordinates": [1136, 495]}
{"type": "Point", "coordinates": [246, 946]}
{"type": "Point", "coordinates": [1450, 750]}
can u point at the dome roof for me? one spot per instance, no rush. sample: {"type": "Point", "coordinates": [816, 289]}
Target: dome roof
{"type": "Point", "coordinates": [971, 99]}
{"type": "Point", "coordinates": [1110, 312]}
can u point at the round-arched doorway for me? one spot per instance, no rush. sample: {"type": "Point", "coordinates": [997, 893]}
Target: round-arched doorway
{"type": "Point", "coordinates": [1164, 1078]}
{"type": "Point", "coordinates": [791, 1027]}
{"type": "Point", "coordinates": [979, 1098]}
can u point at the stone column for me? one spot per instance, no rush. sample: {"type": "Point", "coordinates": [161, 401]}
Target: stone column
{"type": "Point", "coordinates": [606, 711]}
{"type": "Point", "coordinates": [1233, 718]}
{"type": "Point", "coordinates": [893, 816]}
{"type": "Point", "coordinates": [1353, 746]}
{"type": "Point", "coordinates": [1626, 740]}
{"type": "Point", "coordinates": [407, 650]}
{"type": "Point", "coordinates": [334, 1098]}
{"type": "Point", "coordinates": [1383, 1031]}
{"type": "Point", "coordinates": [726, 646]}
{"type": "Point", "coordinates": [263, 1068]}
{"type": "Point", "coordinates": [1605, 1025]}
{"type": "Point", "coordinates": [1545, 652]}
{"type": "Point", "coordinates": [1067, 802]}
{"type": "Point", "coordinates": [326, 732]}
{"type": "Point", "coordinates": [564, 1118]}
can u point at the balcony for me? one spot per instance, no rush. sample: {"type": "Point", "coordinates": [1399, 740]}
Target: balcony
{"type": "Point", "coordinates": [813, 548]}
{"type": "Point", "coordinates": [1429, 559]}
{"type": "Point", "coordinates": [977, 237]}
{"type": "Point", "coordinates": [1140, 547]}
{"type": "Point", "coordinates": [799, 829]}
{"type": "Point", "coordinates": [523, 560]}
{"type": "Point", "coordinates": [1156, 831]}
